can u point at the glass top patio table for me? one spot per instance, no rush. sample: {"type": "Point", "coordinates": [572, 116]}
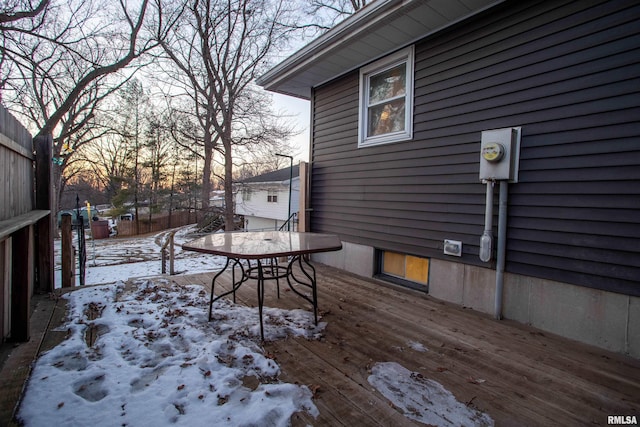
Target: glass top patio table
{"type": "Point", "coordinates": [264, 248]}
{"type": "Point", "coordinates": [264, 244]}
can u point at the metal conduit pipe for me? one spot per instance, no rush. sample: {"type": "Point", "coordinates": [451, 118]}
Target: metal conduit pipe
{"type": "Point", "coordinates": [486, 241]}
{"type": "Point", "coordinates": [502, 243]}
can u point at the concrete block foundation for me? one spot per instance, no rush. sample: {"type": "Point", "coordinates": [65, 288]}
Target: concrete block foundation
{"type": "Point", "coordinates": [357, 259]}
{"type": "Point", "coordinates": [600, 318]}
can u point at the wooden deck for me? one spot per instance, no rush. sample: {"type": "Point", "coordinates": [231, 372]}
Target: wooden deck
{"type": "Point", "coordinates": [518, 375]}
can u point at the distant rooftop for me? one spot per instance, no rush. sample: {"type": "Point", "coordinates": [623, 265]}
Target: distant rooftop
{"type": "Point", "coordinates": [275, 176]}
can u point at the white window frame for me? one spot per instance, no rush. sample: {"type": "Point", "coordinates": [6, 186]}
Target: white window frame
{"type": "Point", "coordinates": [272, 196]}
{"type": "Point", "coordinates": [405, 55]}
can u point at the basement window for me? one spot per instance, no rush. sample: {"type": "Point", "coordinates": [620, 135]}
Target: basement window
{"type": "Point", "coordinates": [407, 270]}
{"type": "Point", "coordinates": [386, 100]}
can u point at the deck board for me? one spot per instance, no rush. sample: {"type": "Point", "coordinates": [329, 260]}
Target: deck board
{"type": "Point", "coordinates": [517, 374]}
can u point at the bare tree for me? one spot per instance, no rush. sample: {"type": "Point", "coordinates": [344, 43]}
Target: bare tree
{"type": "Point", "coordinates": [185, 134]}
{"type": "Point", "coordinates": [320, 15]}
{"type": "Point", "coordinates": [259, 133]}
{"type": "Point", "coordinates": [15, 10]}
{"type": "Point", "coordinates": [159, 148]}
{"type": "Point", "coordinates": [17, 17]}
{"type": "Point", "coordinates": [109, 160]}
{"type": "Point", "coordinates": [134, 110]}
{"type": "Point", "coordinates": [59, 63]}
{"type": "Point", "coordinates": [219, 48]}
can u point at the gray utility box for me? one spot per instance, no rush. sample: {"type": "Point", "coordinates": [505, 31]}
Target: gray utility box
{"type": "Point", "coordinates": [500, 154]}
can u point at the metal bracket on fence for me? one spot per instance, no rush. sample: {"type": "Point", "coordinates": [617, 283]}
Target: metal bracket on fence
{"type": "Point", "coordinates": [167, 251]}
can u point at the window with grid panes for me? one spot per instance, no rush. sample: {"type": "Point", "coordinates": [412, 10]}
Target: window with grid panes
{"type": "Point", "coordinates": [386, 100]}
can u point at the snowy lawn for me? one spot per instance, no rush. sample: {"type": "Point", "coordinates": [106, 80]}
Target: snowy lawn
{"type": "Point", "coordinates": [112, 260]}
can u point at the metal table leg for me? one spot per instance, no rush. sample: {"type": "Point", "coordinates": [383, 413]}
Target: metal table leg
{"type": "Point", "coordinates": [265, 269]}
{"type": "Point", "coordinates": [310, 272]}
{"type": "Point", "coordinates": [261, 297]}
{"type": "Point", "coordinates": [234, 285]}
{"type": "Point", "coordinates": [309, 281]}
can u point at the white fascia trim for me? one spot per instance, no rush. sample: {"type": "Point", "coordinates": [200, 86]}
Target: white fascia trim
{"type": "Point", "coordinates": [284, 182]}
{"type": "Point", "coordinates": [343, 32]}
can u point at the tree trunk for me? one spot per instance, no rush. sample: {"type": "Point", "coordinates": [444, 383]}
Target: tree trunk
{"type": "Point", "coordinates": [206, 170]}
{"type": "Point", "coordinates": [58, 188]}
{"type": "Point", "coordinates": [228, 186]}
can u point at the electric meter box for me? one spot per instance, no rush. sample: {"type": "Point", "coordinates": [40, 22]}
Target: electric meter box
{"type": "Point", "coordinates": [500, 154]}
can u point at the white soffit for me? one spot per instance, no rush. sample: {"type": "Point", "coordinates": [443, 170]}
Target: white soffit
{"type": "Point", "coordinates": [375, 31]}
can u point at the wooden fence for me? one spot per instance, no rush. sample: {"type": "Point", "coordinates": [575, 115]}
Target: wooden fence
{"type": "Point", "coordinates": [157, 223]}
{"type": "Point", "coordinates": [26, 242]}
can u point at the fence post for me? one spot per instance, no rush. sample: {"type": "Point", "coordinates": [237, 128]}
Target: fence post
{"type": "Point", "coordinates": [68, 262]}
{"type": "Point", "coordinates": [171, 255]}
{"type": "Point", "coordinates": [21, 284]}
{"type": "Point", "coordinates": [82, 250]}
{"type": "Point", "coordinates": [44, 280]}
{"type": "Point", "coordinates": [169, 242]}
{"type": "Point", "coordinates": [82, 246]}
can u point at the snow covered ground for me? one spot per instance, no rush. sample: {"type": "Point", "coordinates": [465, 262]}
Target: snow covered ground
{"type": "Point", "coordinates": [112, 260]}
{"type": "Point", "coordinates": [157, 361]}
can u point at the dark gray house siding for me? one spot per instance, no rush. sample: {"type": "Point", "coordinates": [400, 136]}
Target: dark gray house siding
{"type": "Point", "coordinates": [569, 73]}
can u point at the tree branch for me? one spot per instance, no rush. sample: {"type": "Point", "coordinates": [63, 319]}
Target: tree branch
{"type": "Point", "coordinates": [6, 17]}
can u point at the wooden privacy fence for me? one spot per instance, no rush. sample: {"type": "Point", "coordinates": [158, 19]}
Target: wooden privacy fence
{"type": "Point", "coordinates": [26, 240]}
{"type": "Point", "coordinates": [157, 223]}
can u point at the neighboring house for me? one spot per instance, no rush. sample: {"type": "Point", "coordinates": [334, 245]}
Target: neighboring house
{"type": "Point", "coordinates": [400, 95]}
{"type": "Point", "coordinates": [264, 200]}
{"type": "Point", "coordinates": [216, 199]}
